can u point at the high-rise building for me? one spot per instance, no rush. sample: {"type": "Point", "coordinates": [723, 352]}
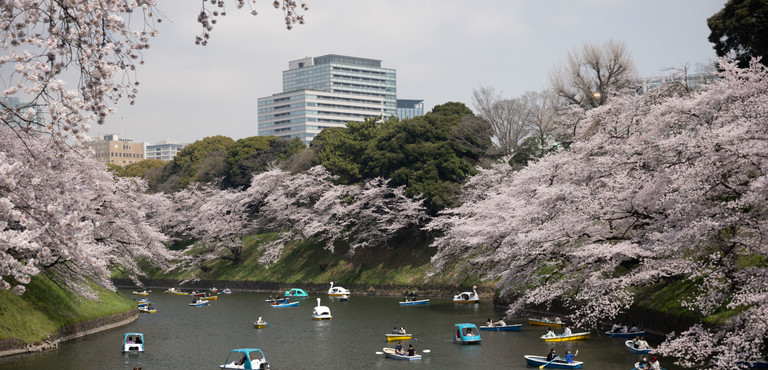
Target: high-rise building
{"type": "Point", "coordinates": [164, 150]}
{"type": "Point", "coordinates": [327, 91]}
{"type": "Point", "coordinates": [112, 149]}
{"type": "Point", "coordinates": [409, 108]}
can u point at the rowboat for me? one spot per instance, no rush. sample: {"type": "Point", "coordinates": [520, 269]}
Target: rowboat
{"type": "Point", "coordinates": [211, 298]}
{"type": "Point", "coordinates": [296, 292]}
{"type": "Point", "coordinates": [467, 297]}
{"type": "Point", "coordinates": [630, 334]}
{"type": "Point", "coordinates": [133, 342]}
{"type": "Point", "coordinates": [565, 338]}
{"type": "Point", "coordinates": [260, 324]}
{"type": "Point", "coordinates": [199, 303]}
{"type": "Point", "coordinates": [281, 305]}
{"type": "Point", "coordinates": [558, 363]}
{"type": "Point", "coordinates": [394, 337]}
{"type": "Point", "coordinates": [545, 322]}
{"type": "Point", "coordinates": [390, 352]}
{"type": "Point", "coordinates": [175, 291]}
{"type": "Point", "coordinates": [344, 298]}
{"type": "Point", "coordinates": [415, 303]}
{"type": "Point", "coordinates": [143, 292]}
{"type": "Point", "coordinates": [466, 334]}
{"type": "Point", "coordinates": [631, 347]}
{"type": "Point", "coordinates": [245, 358]}
{"type": "Point", "coordinates": [195, 293]}
{"type": "Point", "coordinates": [226, 291]}
{"type": "Point", "coordinates": [515, 327]}
{"type": "Point", "coordinates": [321, 312]}
{"type": "Point", "coordinates": [276, 300]}
{"type": "Point", "coordinates": [147, 309]}
{"type": "Point", "coordinates": [337, 291]}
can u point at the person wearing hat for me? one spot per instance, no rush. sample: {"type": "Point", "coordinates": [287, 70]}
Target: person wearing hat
{"type": "Point", "coordinates": [655, 365]}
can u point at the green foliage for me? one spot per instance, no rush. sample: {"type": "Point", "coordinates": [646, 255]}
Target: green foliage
{"type": "Point", "coordinates": [139, 169]}
{"type": "Point", "coordinates": [422, 153]}
{"type": "Point", "coordinates": [740, 30]}
{"type": "Point", "coordinates": [255, 154]}
{"type": "Point", "coordinates": [202, 161]}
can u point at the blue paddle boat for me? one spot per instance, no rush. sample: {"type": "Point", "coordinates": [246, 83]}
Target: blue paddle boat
{"type": "Point", "coordinates": [199, 303]}
{"type": "Point", "coordinates": [297, 293]}
{"type": "Point", "coordinates": [515, 327]}
{"type": "Point", "coordinates": [557, 363]}
{"type": "Point", "coordinates": [245, 358]}
{"type": "Point", "coordinates": [133, 342]}
{"type": "Point", "coordinates": [466, 333]}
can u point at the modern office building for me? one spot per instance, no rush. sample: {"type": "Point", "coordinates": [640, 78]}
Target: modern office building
{"type": "Point", "coordinates": [327, 91]}
{"type": "Point", "coordinates": [112, 149]}
{"type": "Point", "coordinates": [409, 108]}
{"type": "Point", "coordinates": [164, 150]}
{"type": "Point", "coordinates": [18, 112]}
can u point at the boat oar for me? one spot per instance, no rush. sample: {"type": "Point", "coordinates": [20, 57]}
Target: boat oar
{"type": "Point", "coordinates": [379, 353]}
{"type": "Point", "coordinates": [427, 351]}
{"type": "Point", "coordinates": [542, 366]}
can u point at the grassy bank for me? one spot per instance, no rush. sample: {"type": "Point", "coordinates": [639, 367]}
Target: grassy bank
{"type": "Point", "coordinates": [46, 307]}
{"type": "Point", "coordinates": [404, 263]}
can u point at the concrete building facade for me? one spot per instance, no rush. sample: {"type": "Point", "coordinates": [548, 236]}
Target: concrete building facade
{"type": "Point", "coordinates": [112, 149]}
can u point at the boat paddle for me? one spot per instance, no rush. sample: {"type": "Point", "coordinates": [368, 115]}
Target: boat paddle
{"type": "Point", "coordinates": [427, 351]}
{"type": "Point", "coordinates": [542, 366]}
{"type": "Point", "coordinates": [379, 353]}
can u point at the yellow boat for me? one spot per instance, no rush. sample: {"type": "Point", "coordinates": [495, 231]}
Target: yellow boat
{"type": "Point", "coordinates": [545, 322]}
{"type": "Point", "coordinates": [176, 291]}
{"type": "Point", "coordinates": [147, 310]}
{"type": "Point", "coordinates": [142, 292]}
{"type": "Point", "coordinates": [566, 338]}
{"type": "Point", "coordinates": [260, 325]}
{"type": "Point", "coordinates": [394, 337]}
{"type": "Point", "coordinates": [211, 298]}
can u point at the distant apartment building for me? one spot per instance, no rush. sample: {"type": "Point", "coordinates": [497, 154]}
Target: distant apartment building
{"type": "Point", "coordinates": [18, 112]}
{"type": "Point", "coordinates": [691, 81]}
{"type": "Point", "coordinates": [409, 108]}
{"type": "Point", "coordinates": [327, 91]}
{"type": "Point", "coordinates": [164, 150]}
{"type": "Point", "coordinates": [113, 149]}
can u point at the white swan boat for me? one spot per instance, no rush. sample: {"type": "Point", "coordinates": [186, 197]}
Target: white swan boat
{"type": "Point", "coordinates": [467, 297]}
{"type": "Point", "coordinates": [337, 291]}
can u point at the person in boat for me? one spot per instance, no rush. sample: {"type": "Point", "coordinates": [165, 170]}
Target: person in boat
{"type": "Point", "coordinates": [624, 329]}
{"type": "Point", "coordinates": [129, 341]}
{"type": "Point", "coordinates": [395, 330]}
{"type": "Point", "coordinates": [615, 328]}
{"type": "Point", "coordinates": [550, 334]}
{"type": "Point", "coordinates": [138, 340]}
{"type": "Point", "coordinates": [643, 363]}
{"type": "Point", "coordinates": [411, 350]}
{"type": "Point", "coordinates": [500, 322]}
{"type": "Point", "coordinates": [642, 344]}
{"type": "Point", "coordinates": [569, 356]}
{"type": "Point", "coordinates": [558, 321]}
{"type": "Point", "coordinates": [489, 322]}
{"type": "Point", "coordinates": [241, 362]}
{"type": "Point", "coordinates": [567, 331]}
{"type": "Point", "coordinates": [551, 355]}
{"type": "Point", "coordinates": [655, 365]}
{"type": "Point", "coordinates": [469, 332]}
{"type": "Point", "coordinates": [636, 342]}
{"type": "Point", "coordinates": [634, 329]}
{"type": "Point", "coordinates": [401, 331]}
{"type": "Point", "coordinates": [399, 348]}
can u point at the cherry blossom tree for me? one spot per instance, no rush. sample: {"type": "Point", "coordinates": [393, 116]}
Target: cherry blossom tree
{"type": "Point", "coordinates": [63, 66]}
{"type": "Point", "coordinates": [303, 206]}
{"type": "Point", "coordinates": [657, 188]}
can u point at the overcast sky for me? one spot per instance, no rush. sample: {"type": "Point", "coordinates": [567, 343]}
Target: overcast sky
{"type": "Point", "coordinates": [441, 49]}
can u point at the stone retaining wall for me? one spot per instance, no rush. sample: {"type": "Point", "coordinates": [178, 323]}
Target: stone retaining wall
{"type": "Point", "coordinates": [15, 346]}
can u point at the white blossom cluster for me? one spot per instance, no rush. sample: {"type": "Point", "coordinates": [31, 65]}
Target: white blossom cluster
{"type": "Point", "coordinates": [656, 188]}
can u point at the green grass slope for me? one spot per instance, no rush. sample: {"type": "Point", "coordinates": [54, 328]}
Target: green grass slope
{"type": "Point", "coordinates": [45, 307]}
